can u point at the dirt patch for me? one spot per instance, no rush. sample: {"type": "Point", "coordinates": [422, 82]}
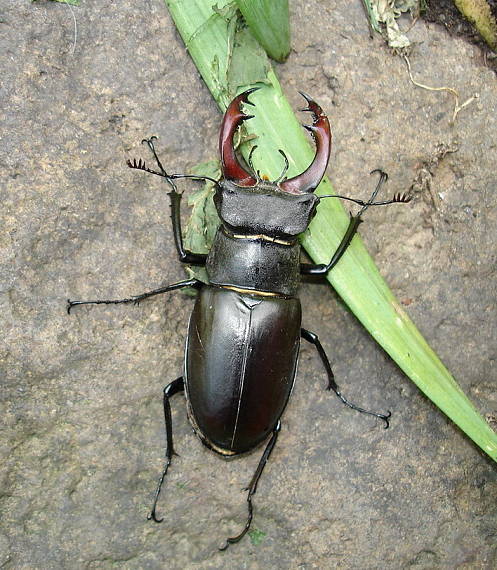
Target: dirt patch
{"type": "Point", "coordinates": [446, 14]}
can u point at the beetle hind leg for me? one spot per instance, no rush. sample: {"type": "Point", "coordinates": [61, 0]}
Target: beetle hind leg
{"type": "Point", "coordinates": [174, 387]}
{"type": "Point", "coordinates": [252, 488]}
{"type": "Point", "coordinates": [332, 385]}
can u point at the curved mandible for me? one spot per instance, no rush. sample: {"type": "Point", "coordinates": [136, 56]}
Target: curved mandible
{"type": "Point", "coordinates": [308, 180]}
{"type": "Point", "coordinates": [231, 168]}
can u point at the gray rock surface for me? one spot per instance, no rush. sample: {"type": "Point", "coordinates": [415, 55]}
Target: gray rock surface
{"type": "Point", "coordinates": [82, 432]}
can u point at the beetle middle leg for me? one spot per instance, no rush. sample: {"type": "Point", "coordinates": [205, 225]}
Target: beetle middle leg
{"type": "Point", "coordinates": [136, 298]}
{"type": "Point", "coordinates": [252, 488]}
{"type": "Point", "coordinates": [332, 385]}
{"type": "Point", "coordinates": [174, 387]}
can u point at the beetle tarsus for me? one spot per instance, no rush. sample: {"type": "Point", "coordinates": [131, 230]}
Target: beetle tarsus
{"type": "Point", "coordinates": [153, 517]}
{"type": "Point", "coordinates": [235, 539]}
{"type": "Point", "coordinates": [379, 415]}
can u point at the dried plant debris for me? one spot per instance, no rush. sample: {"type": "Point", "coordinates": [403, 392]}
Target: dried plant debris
{"type": "Point", "coordinates": [492, 420]}
{"type": "Point", "coordinates": [383, 16]}
{"type": "Point", "coordinates": [457, 105]}
{"type": "Point", "coordinates": [421, 184]}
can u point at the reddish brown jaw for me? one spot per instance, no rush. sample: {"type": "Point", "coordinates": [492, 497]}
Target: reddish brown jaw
{"type": "Point", "coordinates": [233, 118]}
{"type": "Point", "coordinates": [320, 129]}
{"type": "Point", "coordinates": [305, 182]}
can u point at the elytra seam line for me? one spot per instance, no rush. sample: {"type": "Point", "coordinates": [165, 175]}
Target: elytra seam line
{"type": "Point", "coordinates": [244, 368]}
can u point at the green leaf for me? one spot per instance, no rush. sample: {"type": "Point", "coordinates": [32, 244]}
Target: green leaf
{"type": "Point", "coordinates": [270, 24]}
{"type": "Point", "coordinates": [355, 278]}
{"type": "Point", "coordinates": [248, 61]}
{"type": "Point", "coordinates": [204, 221]}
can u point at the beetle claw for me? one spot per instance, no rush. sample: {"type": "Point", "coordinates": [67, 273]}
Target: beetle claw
{"type": "Point", "coordinates": [385, 418]}
{"type": "Point", "coordinates": [223, 548]}
{"type": "Point", "coordinates": [153, 517]}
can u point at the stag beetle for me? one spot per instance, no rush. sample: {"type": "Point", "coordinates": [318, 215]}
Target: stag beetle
{"type": "Point", "coordinates": [244, 333]}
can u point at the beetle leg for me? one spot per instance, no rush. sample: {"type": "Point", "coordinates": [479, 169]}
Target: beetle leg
{"type": "Point", "coordinates": [252, 488]}
{"type": "Point", "coordinates": [176, 386]}
{"type": "Point", "coordinates": [184, 255]}
{"type": "Point", "coordinates": [136, 298]}
{"type": "Point", "coordinates": [332, 385]}
{"type": "Point", "coordinates": [323, 268]}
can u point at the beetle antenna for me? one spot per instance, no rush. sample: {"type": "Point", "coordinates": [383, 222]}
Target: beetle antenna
{"type": "Point", "coordinates": [397, 199]}
{"type": "Point", "coordinates": [150, 144]}
{"type": "Point", "coordinates": [193, 177]}
{"type": "Point", "coordinates": [281, 177]}
{"type": "Point", "coordinates": [141, 165]}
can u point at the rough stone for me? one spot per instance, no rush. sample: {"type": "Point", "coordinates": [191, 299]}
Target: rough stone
{"type": "Point", "coordinates": [82, 439]}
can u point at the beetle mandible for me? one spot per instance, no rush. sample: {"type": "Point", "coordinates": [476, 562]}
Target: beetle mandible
{"type": "Point", "coordinates": [244, 333]}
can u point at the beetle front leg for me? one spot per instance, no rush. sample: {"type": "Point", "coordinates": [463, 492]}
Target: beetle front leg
{"type": "Point", "coordinates": [176, 386]}
{"type": "Point", "coordinates": [323, 268]}
{"type": "Point", "coordinates": [136, 298]}
{"type": "Point", "coordinates": [184, 255]}
{"type": "Point", "coordinates": [332, 385]}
